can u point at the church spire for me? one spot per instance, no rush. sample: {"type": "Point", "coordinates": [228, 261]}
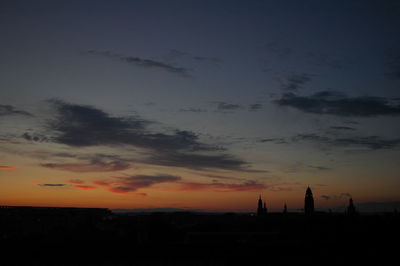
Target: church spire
{"type": "Point", "coordinates": [260, 206]}
{"type": "Point", "coordinates": [309, 202]}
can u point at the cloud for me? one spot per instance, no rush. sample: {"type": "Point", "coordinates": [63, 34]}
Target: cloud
{"type": "Point", "coordinates": [198, 161]}
{"type": "Point", "coordinates": [144, 63]}
{"type": "Point", "coordinates": [52, 185]}
{"type": "Point", "coordinates": [82, 187]}
{"type": "Point", "coordinates": [248, 186]}
{"type": "Point", "coordinates": [85, 126]}
{"type": "Point", "coordinates": [274, 140]}
{"type": "Point", "coordinates": [296, 81]}
{"type": "Point", "coordinates": [320, 168]}
{"type": "Point", "coordinates": [223, 106]}
{"type": "Point", "coordinates": [193, 110]}
{"type": "Point", "coordinates": [80, 125]}
{"type": "Point", "coordinates": [174, 54]}
{"type": "Point", "coordinates": [371, 142]}
{"type": "Point", "coordinates": [7, 167]}
{"type": "Point", "coordinates": [326, 197]}
{"type": "Point", "coordinates": [340, 196]}
{"type": "Point", "coordinates": [128, 184]}
{"type": "Point", "coordinates": [11, 110]}
{"type": "Point", "coordinates": [132, 183]}
{"type": "Point", "coordinates": [334, 103]}
{"type": "Point", "coordinates": [93, 166]}
{"type": "Point", "coordinates": [35, 137]}
{"type": "Point", "coordinates": [342, 128]}
{"type": "Point", "coordinates": [220, 176]}
{"type": "Point", "coordinates": [255, 107]}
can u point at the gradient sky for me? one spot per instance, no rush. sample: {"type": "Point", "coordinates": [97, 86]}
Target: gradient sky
{"type": "Point", "coordinates": [199, 104]}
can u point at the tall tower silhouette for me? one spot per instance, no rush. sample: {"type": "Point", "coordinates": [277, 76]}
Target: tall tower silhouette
{"type": "Point", "coordinates": [260, 207]}
{"type": "Point", "coordinates": [351, 209]}
{"type": "Point", "coordinates": [285, 209]}
{"type": "Point", "coordinates": [309, 202]}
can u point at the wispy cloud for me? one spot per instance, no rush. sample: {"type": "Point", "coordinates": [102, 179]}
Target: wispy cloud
{"type": "Point", "coordinates": [127, 184]}
{"type": "Point", "coordinates": [320, 168]}
{"type": "Point", "coordinates": [85, 126]}
{"type": "Point", "coordinates": [142, 62]}
{"type": "Point", "coordinates": [335, 103]}
{"type": "Point", "coordinates": [193, 110]}
{"type": "Point", "coordinates": [199, 161]}
{"type": "Point", "coordinates": [296, 82]}
{"type": "Point", "coordinates": [255, 107]}
{"type": "Point", "coordinates": [223, 106]}
{"type": "Point", "coordinates": [7, 167]}
{"type": "Point", "coordinates": [370, 142]}
{"type": "Point", "coordinates": [83, 187]}
{"type": "Point", "coordinates": [52, 185]}
{"type": "Point", "coordinates": [339, 196]}
{"type": "Point", "coordinates": [34, 137]}
{"type": "Point", "coordinates": [248, 186]}
{"type": "Point", "coordinates": [342, 128]}
{"type": "Point", "coordinates": [11, 110]}
{"type": "Point", "coordinates": [175, 54]}
{"type": "Point", "coordinates": [272, 140]}
{"type": "Point", "coordinates": [93, 166]}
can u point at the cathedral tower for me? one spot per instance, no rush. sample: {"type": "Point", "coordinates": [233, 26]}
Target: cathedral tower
{"type": "Point", "coordinates": [309, 202]}
{"type": "Point", "coordinates": [260, 207]}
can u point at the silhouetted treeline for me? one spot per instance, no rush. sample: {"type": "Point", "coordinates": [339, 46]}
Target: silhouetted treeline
{"type": "Point", "coordinates": [73, 236]}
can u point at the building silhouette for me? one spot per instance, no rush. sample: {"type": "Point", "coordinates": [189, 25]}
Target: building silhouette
{"type": "Point", "coordinates": [284, 209]}
{"type": "Point", "coordinates": [261, 210]}
{"type": "Point", "coordinates": [351, 209]}
{"type": "Point", "coordinates": [309, 202]}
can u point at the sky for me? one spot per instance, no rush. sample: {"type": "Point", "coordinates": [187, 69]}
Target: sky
{"type": "Point", "coordinates": [199, 105]}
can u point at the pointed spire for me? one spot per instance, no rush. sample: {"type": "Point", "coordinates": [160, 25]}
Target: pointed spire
{"type": "Point", "coordinates": [309, 202]}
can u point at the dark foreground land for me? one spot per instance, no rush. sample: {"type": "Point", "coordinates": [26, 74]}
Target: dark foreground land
{"type": "Point", "coordinates": [69, 236]}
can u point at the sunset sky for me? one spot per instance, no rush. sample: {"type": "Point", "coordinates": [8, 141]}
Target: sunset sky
{"type": "Point", "coordinates": [199, 105]}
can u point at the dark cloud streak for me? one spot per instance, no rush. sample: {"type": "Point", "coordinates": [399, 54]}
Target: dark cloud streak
{"type": "Point", "coordinates": [334, 103]}
{"type": "Point", "coordinates": [85, 126]}
{"type": "Point", "coordinates": [11, 110]}
{"type": "Point", "coordinates": [145, 63]}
